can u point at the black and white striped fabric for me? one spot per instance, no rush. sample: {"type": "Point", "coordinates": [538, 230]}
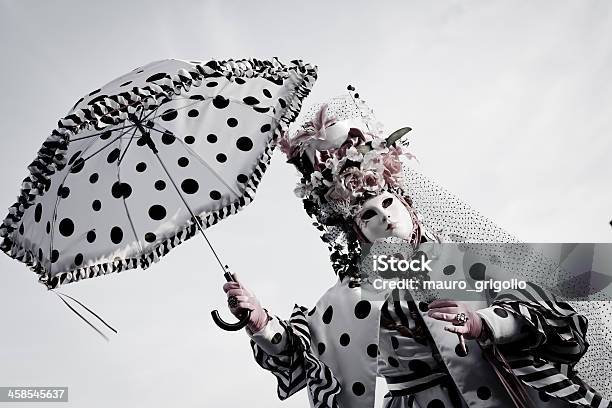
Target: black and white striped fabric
{"type": "Point", "coordinates": [297, 367]}
{"type": "Point", "coordinates": [108, 188]}
{"type": "Point", "coordinates": [547, 362]}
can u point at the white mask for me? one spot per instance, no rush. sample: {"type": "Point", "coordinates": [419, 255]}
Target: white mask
{"type": "Point", "coordinates": [384, 216]}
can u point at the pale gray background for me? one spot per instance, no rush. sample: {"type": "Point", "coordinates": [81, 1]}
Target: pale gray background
{"type": "Point", "coordinates": [510, 105]}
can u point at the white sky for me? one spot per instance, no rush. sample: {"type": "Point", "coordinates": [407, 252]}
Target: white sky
{"type": "Point", "coordinates": [510, 106]}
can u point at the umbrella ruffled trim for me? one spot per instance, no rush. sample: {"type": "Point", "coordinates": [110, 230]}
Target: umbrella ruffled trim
{"type": "Point", "coordinates": [111, 110]}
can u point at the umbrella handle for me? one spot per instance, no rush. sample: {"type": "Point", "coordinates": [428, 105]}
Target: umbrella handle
{"type": "Point", "coordinates": [222, 323]}
{"type": "Point", "coordinates": [230, 326]}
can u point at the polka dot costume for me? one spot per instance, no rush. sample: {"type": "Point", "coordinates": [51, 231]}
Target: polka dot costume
{"type": "Point", "coordinates": [349, 342]}
{"type": "Point", "coordinates": [106, 190]}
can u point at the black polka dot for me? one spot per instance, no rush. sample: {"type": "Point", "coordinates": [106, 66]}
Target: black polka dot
{"type": "Point", "coordinates": [393, 362]}
{"type": "Point", "coordinates": [63, 191]}
{"type": "Point", "coordinates": [197, 97]}
{"type": "Point", "coordinates": [435, 403]}
{"type": "Point", "coordinates": [345, 339]}
{"type": "Point", "coordinates": [215, 195]}
{"type": "Point", "coordinates": [449, 269]}
{"type": "Point", "coordinates": [321, 348]}
{"type": "Point", "coordinates": [244, 143]}
{"type": "Point", "coordinates": [419, 366]}
{"type": "Point", "coordinates": [168, 138]}
{"type": "Point", "coordinates": [372, 350]}
{"type": "Point", "coordinates": [242, 178]}
{"type": "Point", "coordinates": [160, 185]}
{"type": "Point", "coordinates": [66, 227]}
{"type": "Point", "coordinates": [211, 84]}
{"type": "Point", "coordinates": [220, 102]}
{"type": "Point", "coordinates": [500, 312]}
{"type": "Point", "coordinates": [183, 161]}
{"type": "Point", "coordinates": [54, 255]}
{"type": "Point", "coordinates": [277, 338]}
{"type": "Point", "coordinates": [477, 271]}
{"type": "Point", "coordinates": [282, 103]}
{"type": "Point", "coordinates": [250, 100]}
{"type": "Point", "coordinates": [212, 138]}
{"type": "Point", "coordinates": [265, 128]}
{"type": "Point", "coordinates": [189, 139]}
{"type": "Point", "coordinates": [93, 178]}
{"type": "Point", "coordinates": [157, 212]}
{"type": "Point", "coordinates": [78, 259]}
{"type": "Point", "coordinates": [156, 77]}
{"type": "Point", "coordinates": [38, 212]}
{"type": "Point", "coordinates": [40, 254]}
{"type": "Point", "coordinates": [362, 309]}
{"type": "Point", "coordinates": [483, 393]}
{"type": "Point", "coordinates": [48, 228]}
{"type": "Point", "coordinates": [394, 342]}
{"type": "Point", "coordinates": [119, 190]}
{"type": "Point", "coordinates": [190, 186]}
{"type": "Point", "coordinates": [116, 235]}
{"type": "Point", "coordinates": [267, 93]}
{"type": "Point", "coordinates": [113, 155]}
{"type": "Point", "coordinates": [193, 113]}
{"type": "Point", "coordinates": [78, 165]}
{"type": "Point", "coordinates": [126, 83]}
{"type": "Point", "coordinates": [140, 167]}
{"type": "Point", "coordinates": [150, 237]}
{"type": "Point", "coordinates": [423, 307]}
{"type": "Point", "coordinates": [311, 312]}
{"type": "Point", "coordinates": [221, 158]}
{"type": "Point", "coordinates": [91, 236]}
{"type": "Point", "coordinates": [358, 388]}
{"type": "Point", "coordinates": [328, 314]}
{"type": "Point", "coordinates": [170, 114]}
{"type": "Point", "coordinates": [106, 135]}
{"type": "Point", "coordinates": [232, 122]}
{"type": "Point", "coordinates": [459, 350]}
{"type": "Point", "coordinates": [21, 229]}
{"type": "Point", "coordinates": [74, 157]}
{"type": "Point", "coordinates": [96, 205]}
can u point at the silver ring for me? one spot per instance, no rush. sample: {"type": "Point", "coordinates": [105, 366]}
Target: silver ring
{"type": "Point", "coordinates": [461, 319]}
{"type": "Point", "coordinates": [232, 301]}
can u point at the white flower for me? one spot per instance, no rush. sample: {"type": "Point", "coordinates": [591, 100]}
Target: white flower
{"type": "Point", "coordinates": [380, 145]}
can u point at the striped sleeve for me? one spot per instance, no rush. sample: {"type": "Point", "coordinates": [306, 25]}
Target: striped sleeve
{"type": "Point", "coordinates": [559, 332]}
{"type": "Point", "coordinates": [545, 360]}
{"type": "Point", "coordinates": [295, 366]}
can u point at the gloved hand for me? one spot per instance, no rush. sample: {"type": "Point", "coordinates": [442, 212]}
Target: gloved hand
{"type": "Point", "coordinates": [246, 301]}
{"type": "Point", "coordinates": [447, 310]}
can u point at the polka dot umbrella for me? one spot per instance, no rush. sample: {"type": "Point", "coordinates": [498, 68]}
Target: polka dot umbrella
{"type": "Point", "coordinates": [141, 164]}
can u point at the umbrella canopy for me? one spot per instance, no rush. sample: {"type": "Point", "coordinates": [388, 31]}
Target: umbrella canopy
{"type": "Point", "coordinates": [118, 183]}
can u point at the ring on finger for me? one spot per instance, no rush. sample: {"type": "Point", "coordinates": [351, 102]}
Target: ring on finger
{"type": "Point", "coordinates": [232, 301]}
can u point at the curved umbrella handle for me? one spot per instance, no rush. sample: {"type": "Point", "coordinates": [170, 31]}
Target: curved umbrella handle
{"type": "Point", "coordinates": [230, 326]}
{"type": "Point", "coordinates": [222, 323]}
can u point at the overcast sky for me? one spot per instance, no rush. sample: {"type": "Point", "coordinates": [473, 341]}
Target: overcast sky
{"type": "Point", "coordinates": [510, 106]}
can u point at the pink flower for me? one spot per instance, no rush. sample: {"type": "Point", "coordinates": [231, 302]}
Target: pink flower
{"type": "Point", "coordinates": [352, 179]}
{"type": "Point", "coordinates": [373, 180]}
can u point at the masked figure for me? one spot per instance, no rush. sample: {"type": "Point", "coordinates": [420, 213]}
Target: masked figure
{"type": "Point", "coordinates": [518, 349]}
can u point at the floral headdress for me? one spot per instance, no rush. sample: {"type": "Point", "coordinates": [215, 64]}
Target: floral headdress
{"type": "Point", "coordinates": [344, 159]}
